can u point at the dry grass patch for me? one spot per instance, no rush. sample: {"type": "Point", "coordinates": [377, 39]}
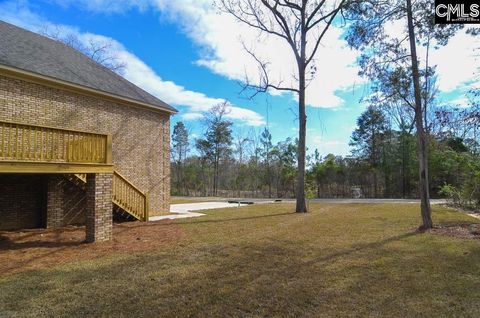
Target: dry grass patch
{"type": "Point", "coordinates": [28, 250]}
{"type": "Point", "coordinates": [265, 261]}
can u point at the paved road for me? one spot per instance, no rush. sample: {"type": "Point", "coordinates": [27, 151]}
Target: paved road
{"type": "Point", "coordinates": [376, 201]}
{"type": "Point", "coordinates": [332, 201]}
{"type": "Point", "coordinates": [190, 210]}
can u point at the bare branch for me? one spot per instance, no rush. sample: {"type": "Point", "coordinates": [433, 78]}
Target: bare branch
{"type": "Point", "coordinates": [100, 52]}
{"type": "Point", "coordinates": [264, 81]}
{"type": "Point", "coordinates": [243, 16]}
{"type": "Point", "coordinates": [322, 34]}
{"type": "Point", "coordinates": [310, 25]}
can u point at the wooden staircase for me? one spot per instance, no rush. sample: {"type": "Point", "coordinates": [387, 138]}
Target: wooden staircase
{"type": "Point", "coordinates": [26, 148]}
{"type": "Point", "coordinates": [126, 197]}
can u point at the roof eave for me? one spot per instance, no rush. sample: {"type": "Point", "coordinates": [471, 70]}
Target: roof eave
{"type": "Point", "coordinates": [18, 73]}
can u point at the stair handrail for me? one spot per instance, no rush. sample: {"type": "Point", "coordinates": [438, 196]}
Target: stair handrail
{"type": "Point", "coordinates": [81, 176]}
{"type": "Point", "coordinates": [129, 197]}
{"type": "Point", "coordinates": [138, 208]}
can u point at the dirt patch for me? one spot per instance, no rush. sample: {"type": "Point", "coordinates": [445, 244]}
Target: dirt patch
{"type": "Point", "coordinates": [36, 249]}
{"type": "Point", "coordinates": [468, 231]}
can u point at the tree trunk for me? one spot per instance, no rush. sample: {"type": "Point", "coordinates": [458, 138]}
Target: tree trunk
{"type": "Point", "coordinates": [302, 131]}
{"type": "Point", "coordinates": [374, 163]}
{"type": "Point", "coordinates": [214, 179]}
{"type": "Point", "coordinates": [269, 179]}
{"type": "Point", "coordinates": [421, 138]}
{"type": "Point", "coordinates": [404, 168]}
{"type": "Point", "coordinates": [301, 204]}
{"type": "Point", "coordinates": [215, 176]}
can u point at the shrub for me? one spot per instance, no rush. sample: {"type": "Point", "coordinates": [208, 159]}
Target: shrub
{"type": "Point", "coordinates": [467, 196]}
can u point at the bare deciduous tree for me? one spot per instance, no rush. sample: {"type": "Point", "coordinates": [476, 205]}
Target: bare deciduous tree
{"type": "Point", "coordinates": [100, 52]}
{"type": "Point", "coordinates": [302, 24]}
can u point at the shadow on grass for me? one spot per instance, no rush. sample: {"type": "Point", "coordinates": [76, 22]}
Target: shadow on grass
{"type": "Point", "coordinates": [361, 247]}
{"type": "Point", "coordinates": [273, 274]}
{"type": "Point", "coordinates": [7, 243]}
{"type": "Point", "coordinates": [200, 221]}
{"type": "Point", "coordinates": [265, 278]}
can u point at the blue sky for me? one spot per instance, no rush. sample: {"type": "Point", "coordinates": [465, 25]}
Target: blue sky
{"type": "Point", "coordinates": [190, 56]}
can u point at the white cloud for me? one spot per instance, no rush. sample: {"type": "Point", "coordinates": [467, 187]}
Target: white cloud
{"type": "Point", "coordinates": [223, 36]}
{"type": "Point", "coordinates": [192, 116]}
{"type": "Point", "coordinates": [335, 70]}
{"type": "Point", "coordinates": [327, 146]}
{"type": "Point", "coordinates": [135, 70]}
{"type": "Point", "coordinates": [18, 13]}
{"type": "Point", "coordinates": [220, 38]}
{"type": "Point", "coordinates": [219, 35]}
{"type": "Point", "coordinates": [456, 62]}
{"type": "Point", "coordinates": [461, 102]}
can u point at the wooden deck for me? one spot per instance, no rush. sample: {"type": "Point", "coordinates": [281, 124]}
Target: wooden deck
{"type": "Point", "coordinates": [26, 148]}
{"type": "Point", "coordinates": [33, 149]}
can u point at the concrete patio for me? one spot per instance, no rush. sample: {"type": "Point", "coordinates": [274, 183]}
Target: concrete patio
{"type": "Point", "coordinates": [181, 211]}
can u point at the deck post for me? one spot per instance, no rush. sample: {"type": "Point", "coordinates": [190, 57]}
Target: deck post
{"type": "Point", "coordinates": [55, 202]}
{"type": "Point", "coordinates": [147, 207]}
{"type": "Point", "coordinates": [99, 220]}
{"type": "Point", "coordinates": [108, 150]}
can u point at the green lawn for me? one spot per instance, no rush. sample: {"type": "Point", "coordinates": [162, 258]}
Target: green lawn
{"type": "Point", "coordinates": [264, 261]}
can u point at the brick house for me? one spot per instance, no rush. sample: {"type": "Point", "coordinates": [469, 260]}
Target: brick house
{"type": "Point", "coordinates": [78, 143]}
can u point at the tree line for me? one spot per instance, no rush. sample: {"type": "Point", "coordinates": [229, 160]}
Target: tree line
{"type": "Point", "coordinates": [383, 162]}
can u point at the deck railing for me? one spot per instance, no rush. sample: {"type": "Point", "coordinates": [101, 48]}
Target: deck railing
{"type": "Point", "coordinates": [22, 142]}
{"type": "Point", "coordinates": [129, 197]}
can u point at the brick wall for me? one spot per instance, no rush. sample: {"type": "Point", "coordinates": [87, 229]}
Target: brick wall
{"type": "Point", "coordinates": [141, 138]}
{"type": "Point", "coordinates": [22, 201]}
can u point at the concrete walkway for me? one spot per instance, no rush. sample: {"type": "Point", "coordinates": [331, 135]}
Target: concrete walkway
{"type": "Point", "coordinates": [474, 215]}
{"type": "Point", "coordinates": [182, 211]}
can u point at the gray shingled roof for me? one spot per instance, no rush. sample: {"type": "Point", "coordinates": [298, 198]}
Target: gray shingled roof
{"type": "Point", "coordinates": [32, 52]}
